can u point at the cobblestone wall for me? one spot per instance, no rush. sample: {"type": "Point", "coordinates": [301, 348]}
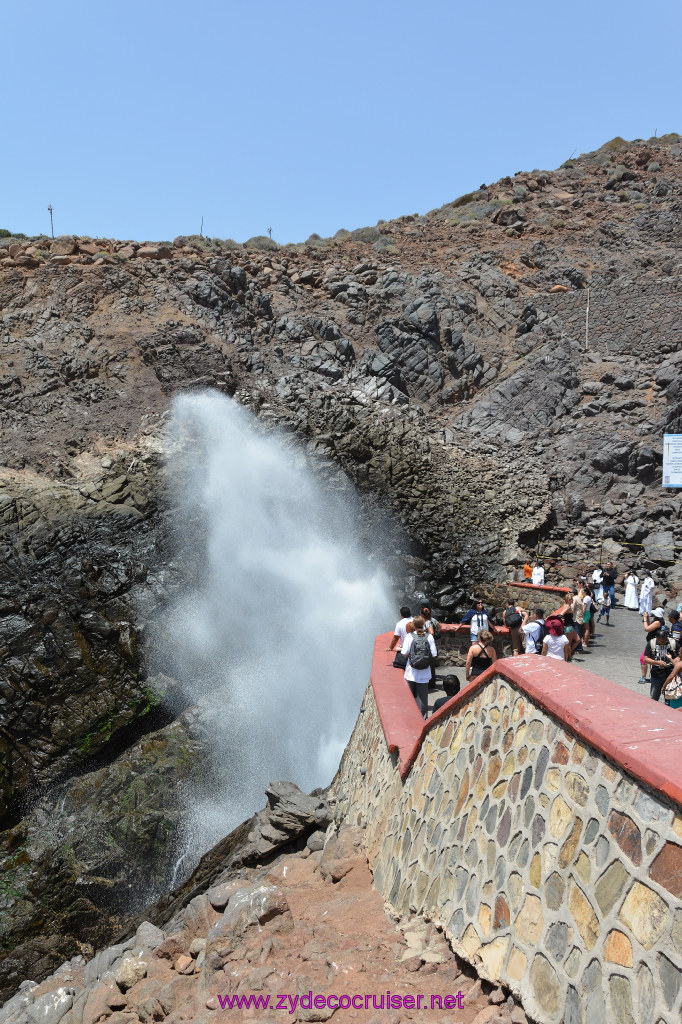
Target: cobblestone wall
{"type": "Point", "coordinates": [550, 869]}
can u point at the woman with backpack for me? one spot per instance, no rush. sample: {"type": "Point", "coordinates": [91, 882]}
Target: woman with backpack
{"type": "Point", "coordinates": [481, 655]}
{"type": "Point", "coordinates": [419, 648]}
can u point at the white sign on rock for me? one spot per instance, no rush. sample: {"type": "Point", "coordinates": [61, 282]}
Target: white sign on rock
{"type": "Point", "coordinates": [672, 460]}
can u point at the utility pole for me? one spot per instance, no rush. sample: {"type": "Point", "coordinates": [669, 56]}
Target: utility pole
{"type": "Point", "coordinates": [201, 229]}
{"type": "Point", "coordinates": [51, 221]}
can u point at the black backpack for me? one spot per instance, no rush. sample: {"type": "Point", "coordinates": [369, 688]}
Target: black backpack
{"type": "Point", "coordinates": [512, 619]}
{"type": "Point", "coordinates": [541, 638]}
{"type": "Point", "coordinates": [420, 651]}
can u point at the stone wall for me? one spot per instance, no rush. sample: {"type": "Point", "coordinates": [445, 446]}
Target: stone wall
{"type": "Point", "coordinates": [551, 865]}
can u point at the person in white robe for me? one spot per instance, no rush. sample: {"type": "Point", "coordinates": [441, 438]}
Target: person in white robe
{"type": "Point", "coordinates": [597, 581]}
{"type": "Point", "coordinates": [646, 594]}
{"type": "Point", "coordinates": [631, 584]}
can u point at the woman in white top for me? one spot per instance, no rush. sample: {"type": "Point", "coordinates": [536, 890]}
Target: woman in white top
{"type": "Point", "coordinates": [631, 582]}
{"type": "Point", "coordinates": [417, 675]}
{"type": "Point", "coordinates": [556, 644]}
{"type": "Point", "coordinates": [646, 593]}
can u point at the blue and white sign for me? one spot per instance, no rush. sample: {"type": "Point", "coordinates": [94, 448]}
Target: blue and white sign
{"type": "Point", "coordinates": [672, 460]}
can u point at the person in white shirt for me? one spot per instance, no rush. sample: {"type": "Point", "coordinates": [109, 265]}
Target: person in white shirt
{"type": "Point", "coordinates": [646, 594]}
{"type": "Point", "coordinates": [532, 630]}
{"type": "Point", "coordinates": [400, 631]}
{"type": "Point", "coordinates": [556, 644]}
{"type": "Point", "coordinates": [538, 575]}
{"type": "Point", "coordinates": [417, 675]}
{"type": "Point", "coordinates": [597, 583]}
{"type": "Point", "coordinates": [631, 583]}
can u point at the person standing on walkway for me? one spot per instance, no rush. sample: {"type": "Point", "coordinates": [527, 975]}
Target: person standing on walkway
{"type": "Point", "coordinates": [609, 582]}
{"type": "Point", "coordinates": [481, 655]}
{"type": "Point", "coordinates": [675, 629]}
{"type": "Point", "coordinates": [587, 616]}
{"type": "Point", "coordinates": [598, 583]}
{"type": "Point", "coordinates": [419, 648]}
{"type": "Point", "coordinates": [577, 613]}
{"type": "Point", "coordinates": [631, 583]}
{"type": "Point", "coordinates": [533, 630]}
{"type": "Point", "coordinates": [659, 655]}
{"type": "Point", "coordinates": [604, 606]}
{"type": "Point", "coordinates": [646, 594]}
{"type": "Point", "coordinates": [431, 626]}
{"type": "Point", "coordinates": [556, 644]}
{"type": "Point", "coordinates": [527, 571]}
{"type": "Point", "coordinates": [400, 631]}
{"type": "Point", "coordinates": [512, 618]}
{"type": "Point", "coordinates": [652, 624]}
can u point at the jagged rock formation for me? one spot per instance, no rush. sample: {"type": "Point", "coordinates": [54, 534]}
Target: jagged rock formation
{"type": "Point", "coordinates": [267, 932]}
{"type": "Point", "coordinates": [495, 373]}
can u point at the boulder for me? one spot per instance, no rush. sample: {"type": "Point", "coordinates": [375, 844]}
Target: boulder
{"type": "Point", "coordinates": [131, 970]}
{"type": "Point", "coordinates": [660, 546]}
{"type": "Point", "coordinates": [64, 245]}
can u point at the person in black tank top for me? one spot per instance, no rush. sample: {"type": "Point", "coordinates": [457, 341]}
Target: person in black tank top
{"type": "Point", "coordinates": [481, 655]}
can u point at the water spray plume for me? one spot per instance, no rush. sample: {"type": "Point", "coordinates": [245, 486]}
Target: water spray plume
{"type": "Point", "coordinates": [275, 629]}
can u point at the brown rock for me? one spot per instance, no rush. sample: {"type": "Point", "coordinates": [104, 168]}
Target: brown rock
{"type": "Point", "coordinates": [127, 251]}
{"type": "Point", "coordinates": [171, 948]}
{"type": "Point", "coordinates": [618, 949]}
{"type": "Point", "coordinates": [502, 915]}
{"type": "Point", "coordinates": [182, 963]}
{"type": "Point", "coordinates": [559, 288]}
{"type": "Point", "coordinates": [627, 835]}
{"type": "Point", "coordinates": [340, 854]}
{"type": "Point", "coordinates": [88, 248]}
{"type": "Point", "coordinates": [60, 261]}
{"type": "Point", "coordinates": [14, 250]}
{"type": "Point", "coordinates": [667, 869]}
{"type": "Point", "coordinates": [149, 252]}
{"type": "Point", "coordinates": [412, 964]}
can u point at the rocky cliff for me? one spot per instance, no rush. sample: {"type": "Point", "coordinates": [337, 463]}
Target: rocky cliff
{"type": "Point", "coordinates": [491, 375]}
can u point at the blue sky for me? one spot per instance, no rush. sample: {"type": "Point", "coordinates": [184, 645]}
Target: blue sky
{"type": "Point", "coordinates": [135, 119]}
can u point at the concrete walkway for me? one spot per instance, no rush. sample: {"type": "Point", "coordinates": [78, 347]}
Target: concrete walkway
{"type": "Point", "coordinates": [614, 652]}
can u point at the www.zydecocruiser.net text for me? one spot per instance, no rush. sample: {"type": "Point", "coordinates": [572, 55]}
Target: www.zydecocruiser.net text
{"type": "Point", "coordinates": [377, 1001]}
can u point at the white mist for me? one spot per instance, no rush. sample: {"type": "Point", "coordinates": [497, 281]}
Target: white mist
{"type": "Point", "coordinates": [276, 629]}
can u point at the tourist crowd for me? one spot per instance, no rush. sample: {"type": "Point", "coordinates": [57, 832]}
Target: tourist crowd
{"type": "Point", "coordinates": [560, 635]}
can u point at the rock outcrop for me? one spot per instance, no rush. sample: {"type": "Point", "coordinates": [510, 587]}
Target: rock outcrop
{"type": "Point", "coordinates": [493, 376]}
